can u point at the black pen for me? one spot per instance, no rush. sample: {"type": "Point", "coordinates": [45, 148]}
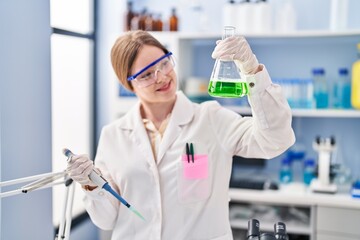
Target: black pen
{"type": "Point", "coordinates": [188, 152]}
{"type": "Point", "coordinates": [192, 151]}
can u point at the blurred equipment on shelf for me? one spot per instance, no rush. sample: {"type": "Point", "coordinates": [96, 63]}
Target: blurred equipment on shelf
{"type": "Point", "coordinates": [285, 175]}
{"type": "Point", "coordinates": [355, 190]}
{"type": "Point", "coordinates": [321, 88]}
{"type": "Point", "coordinates": [298, 91]}
{"type": "Point", "coordinates": [262, 17]}
{"type": "Point", "coordinates": [196, 89]}
{"type": "Point", "coordinates": [248, 16]}
{"type": "Point", "coordinates": [309, 171]}
{"type": "Point", "coordinates": [148, 21]}
{"type": "Point", "coordinates": [292, 164]}
{"type": "Point", "coordinates": [324, 147]}
{"type": "Point", "coordinates": [342, 90]}
{"type": "Point", "coordinates": [240, 177]}
{"type": "Point", "coordinates": [173, 21]}
{"type": "Point", "coordinates": [253, 232]}
{"type": "Point", "coordinates": [129, 15]}
{"type": "Point", "coordinates": [286, 17]}
{"type": "Point", "coordinates": [254, 184]}
{"type": "Point", "coordinates": [229, 13]}
{"type": "Point", "coordinates": [338, 14]}
{"type": "Point", "coordinates": [355, 82]}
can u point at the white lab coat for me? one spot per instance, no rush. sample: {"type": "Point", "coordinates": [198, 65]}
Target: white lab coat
{"type": "Point", "coordinates": [174, 206]}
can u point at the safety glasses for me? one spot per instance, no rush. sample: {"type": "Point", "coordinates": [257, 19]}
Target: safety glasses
{"type": "Point", "coordinates": [148, 75]}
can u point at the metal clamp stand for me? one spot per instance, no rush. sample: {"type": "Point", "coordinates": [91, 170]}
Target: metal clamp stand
{"type": "Point", "coordinates": [43, 181]}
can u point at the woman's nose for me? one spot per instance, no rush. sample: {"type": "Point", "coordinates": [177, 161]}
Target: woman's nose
{"type": "Point", "coordinates": [160, 77]}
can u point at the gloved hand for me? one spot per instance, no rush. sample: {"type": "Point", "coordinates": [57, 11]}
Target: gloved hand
{"type": "Point", "coordinates": [237, 49]}
{"type": "Point", "coordinates": [79, 167]}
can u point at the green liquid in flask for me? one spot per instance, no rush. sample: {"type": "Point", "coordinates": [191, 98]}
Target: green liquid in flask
{"type": "Point", "coordinates": [224, 89]}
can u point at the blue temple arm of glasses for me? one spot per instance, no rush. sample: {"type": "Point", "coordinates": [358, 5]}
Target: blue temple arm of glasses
{"type": "Point", "coordinates": [149, 66]}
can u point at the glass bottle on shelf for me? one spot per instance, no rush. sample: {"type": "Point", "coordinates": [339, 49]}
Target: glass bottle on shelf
{"type": "Point", "coordinates": [355, 82]}
{"type": "Point", "coordinates": [149, 23]}
{"type": "Point", "coordinates": [159, 23]}
{"type": "Point", "coordinates": [309, 171]}
{"type": "Point", "coordinates": [285, 171]}
{"type": "Point", "coordinates": [129, 16]}
{"type": "Point", "coordinates": [225, 80]}
{"type": "Point", "coordinates": [142, 19]}
{"type": "Point", "coordinates": [173, 21]}
{"type": "Point", "coordinates": [321, 94]}
{"type": "Point", "coordinates": [135, 22]}
{"type": "Point", "coordinates": [342, 90]}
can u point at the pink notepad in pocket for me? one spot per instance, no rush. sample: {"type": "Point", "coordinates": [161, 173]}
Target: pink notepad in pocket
{"type": "Point", "coordinates": [197, 169]}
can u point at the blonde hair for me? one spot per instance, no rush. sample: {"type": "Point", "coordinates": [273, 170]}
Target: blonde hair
{"type": "Point", "coordinates": [125, 50]}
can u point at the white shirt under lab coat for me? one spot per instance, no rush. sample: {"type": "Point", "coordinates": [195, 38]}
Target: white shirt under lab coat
{"type": "Point", "coordinates": [175, 206]}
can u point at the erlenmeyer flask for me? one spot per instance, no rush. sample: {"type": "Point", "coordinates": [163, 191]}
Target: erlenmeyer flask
{"type": "Point", "coordinates": [225, 80]}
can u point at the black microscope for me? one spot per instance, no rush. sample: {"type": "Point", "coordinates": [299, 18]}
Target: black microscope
{"type": "Point", "coordinates": [253, 232]}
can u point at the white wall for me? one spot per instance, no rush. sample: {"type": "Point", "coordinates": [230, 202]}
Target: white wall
{"type": "Point", "coordinates": [25, 115]}
{"type": "Point", "coordinates": [25, 120]}
{"type": "Point", "coordinates": [110, 25]}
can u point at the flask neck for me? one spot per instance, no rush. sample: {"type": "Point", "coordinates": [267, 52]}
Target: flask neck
{"type": "Point", "coordinates": [228, 32]}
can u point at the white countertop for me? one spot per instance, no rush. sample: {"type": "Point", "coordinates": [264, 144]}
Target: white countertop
{"type": "Point", "coordinates": [299, 196]}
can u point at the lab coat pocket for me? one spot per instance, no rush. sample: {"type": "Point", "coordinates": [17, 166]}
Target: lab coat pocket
{"type": "Point", "coordinates": [193, 179]}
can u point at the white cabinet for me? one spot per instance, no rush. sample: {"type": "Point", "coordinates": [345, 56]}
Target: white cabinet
{"type": "Point", "coordinates": [339, 223]}
{"type": "Point", "coordinates": [298, 219]}
{"type": "Point", "coordinates": [322, 236]}
{"type": "Point", "coordinates": [317, 216]}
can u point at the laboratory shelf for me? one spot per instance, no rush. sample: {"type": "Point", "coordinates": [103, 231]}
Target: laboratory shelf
{"type": "Point", "coordinates": [304, 197]}
{"type": "Point", "coordinates": [325, 113]}
{"type": "Point", "coordinates": [294, 34]}
{"type": "Point", "coordinates": [125, 103]}
{"type": "Point", "coordinates": [336, 113]}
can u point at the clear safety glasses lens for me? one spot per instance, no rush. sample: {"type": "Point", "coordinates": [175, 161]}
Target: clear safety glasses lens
{"type": "Point", "coordinates": [148, 75]}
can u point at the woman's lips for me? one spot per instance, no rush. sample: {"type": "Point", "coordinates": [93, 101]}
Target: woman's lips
{"type": "Point", "coordinates": [165, 87]}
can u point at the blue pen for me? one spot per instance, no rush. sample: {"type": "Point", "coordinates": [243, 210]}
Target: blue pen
{"type": "Point", "coordinates": [101, 182]}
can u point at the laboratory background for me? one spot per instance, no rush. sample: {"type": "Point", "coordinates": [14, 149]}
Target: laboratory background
{"type": "Point", "coordinates": [58, 89]}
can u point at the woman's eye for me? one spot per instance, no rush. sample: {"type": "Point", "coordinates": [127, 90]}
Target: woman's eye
{"type": "Point", "coordinates": [165, 63]}
{"type": "Point", "coordinates": [146, 76]}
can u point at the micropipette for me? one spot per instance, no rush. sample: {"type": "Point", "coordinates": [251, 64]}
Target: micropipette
{"type": "Point", "coordinates": [101, 182]}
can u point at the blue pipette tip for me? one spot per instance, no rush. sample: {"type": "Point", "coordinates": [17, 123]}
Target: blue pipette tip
{"type": "Point", "coordinates": [107, 187]}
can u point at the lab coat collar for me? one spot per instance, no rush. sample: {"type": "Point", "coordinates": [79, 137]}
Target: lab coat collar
{"type": "Point", "coordinates": [183, 111]}
{"type": "Point", "coordinates": [181, 115]}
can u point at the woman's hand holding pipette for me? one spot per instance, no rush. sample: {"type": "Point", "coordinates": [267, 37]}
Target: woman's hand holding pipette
{"type": "Point", "coordinates": [237, 49]}
{"type": "Point", "coordinates": [79, 168]}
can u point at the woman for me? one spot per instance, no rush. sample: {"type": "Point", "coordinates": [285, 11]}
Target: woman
{"type": "Point", "coordinates": [144, 156]}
